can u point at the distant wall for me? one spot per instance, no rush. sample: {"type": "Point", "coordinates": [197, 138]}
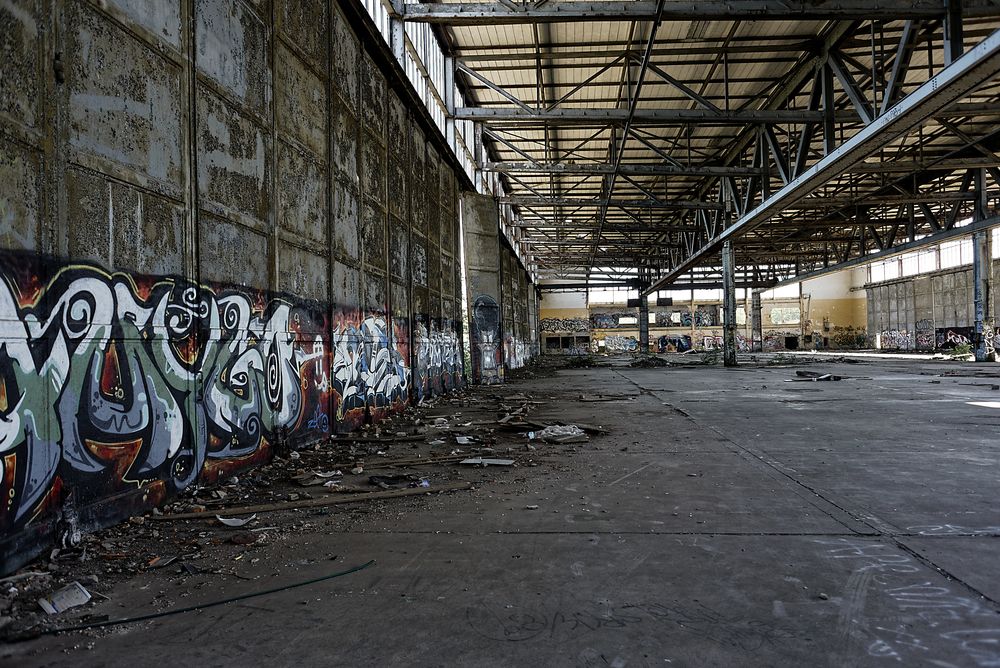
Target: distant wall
{"type": "Point", "coordinates": [928, 312]}
{"type": "Point", "coordinates": [221, 231]}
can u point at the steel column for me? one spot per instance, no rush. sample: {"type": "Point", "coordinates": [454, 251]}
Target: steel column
{"type": "Point", "coordinates": [756, 324]}
{"type": "Point", "coordinates": [728, 305]}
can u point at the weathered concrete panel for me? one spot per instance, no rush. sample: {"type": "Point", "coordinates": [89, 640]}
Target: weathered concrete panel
{"type": "Point", "coordinates": [418, 181]}
{"type": "Point", "coordinates": [372, 168]}
{"type": "Point", "coordinates": [20, 196]}
{"type": "Point", "coordinates": [345, 221]}
{"type": "Point", "coordinates": [304, 23]}
{"type": "Point", "coordinates": [373, 237]}
{"type": "Point", "coordinates": [372, 97]}
{"type": "Point", "coordinates": [162, 17]}
{"type": "Point", "coordinates": [232, 50]}
{"type": "Point", "coordinates": [344, 127]}
{"type": "Point", "coordinates": [124, 100]}
{"type": "Point", "coordinates": [433, 267]}
{"type": "Point", "coordinates": [300, 101]}
{"type": "Point", "coordinates": [224, 249]}
{"type": "Point", "coordinates": [399, 248]}
{"type": "Point", "coordinates": [20, 61]}
{"type": "Point", "coordinates": [346, 56]}
{"type": "Point", "coordinates": [302, 273]}
{"type": "Point", "coordinates": [448, 220]}
{"type": "Point", "coordinates": [419, 261]}
{"type": "Point", "coordinates": [233, 163]}
{"type": "Point", "coordinates": [301, 195]}
{"type": "Point", "coordinates": [397, 166]}
{"type": "Point", "coordinates": [447, 276]}
{"type": "Point", "coordinates": [376, 296]}
{"type": "Point", "coordinates": [433, 196]}
{"type": "Point", "coordinates": [346, 288]}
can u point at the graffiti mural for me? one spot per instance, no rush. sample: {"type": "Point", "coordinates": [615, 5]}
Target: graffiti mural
{"type": "Point", "coordinates": [484, 330]}
{"type": "Point", "coordinates": [671, 344]}
{"type": "Point", "coordinates": [925, 339]}
{"type": "Point", "coordinates": [438, 364]}
{"type": "Point", "coordinates": [852, 337]}
{"type": "Point", "coordinates": [702, 317]}
{"type": "Point", "coordinates": [110, 382]}
{"type": "Point", "coordinates": [565, 325]}
{"type": "Point", "coordinates": [119, 390]}
{"type": "Point", "coordinates": [516, 352]}
{"type": "Point", "coordinates": [619, 344]}
{"type": "Point", "coordinates": [948, 338]}
{"type": "Point", "coordinates": [611, 320]}
{"type": "Point", "coordinates": [895, 339]}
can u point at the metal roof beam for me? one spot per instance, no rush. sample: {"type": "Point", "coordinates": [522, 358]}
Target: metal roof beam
{"type": "Point", "coordinates": [541, 202]}
{"type": "Point", "coordinates": [644, 169]}
{"type": "Point", "coordinates": [487, 13]}
{"type": "Point", "coordinates": [977, 66]}
{"type": "Point", "coordinates": [642, 116]}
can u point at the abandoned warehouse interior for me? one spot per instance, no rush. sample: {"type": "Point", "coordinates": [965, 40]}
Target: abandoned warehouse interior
{"type": "Point", "coordinates": [526, 332]}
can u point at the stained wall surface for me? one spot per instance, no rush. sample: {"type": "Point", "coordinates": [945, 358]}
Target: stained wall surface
{"type": "Point", "coordinates": [934, 311]}
{"type": "Point", "coordinates": [221, 232]}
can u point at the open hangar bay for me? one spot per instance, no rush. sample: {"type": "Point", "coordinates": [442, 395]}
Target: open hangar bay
{"type": "Point", "coordinates": [514, 333]}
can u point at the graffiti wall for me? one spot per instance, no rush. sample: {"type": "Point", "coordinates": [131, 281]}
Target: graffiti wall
{"type": "Point", "coordinates": [438, 355]}
{"type": "Point", "coordinates": [571, 325]}
{"type": "Point", "coordinates": [484, 331]}
{"type": "Point", "coordinates": [949, 338]}
{"type": "Point", "coordinates": [113, 383]}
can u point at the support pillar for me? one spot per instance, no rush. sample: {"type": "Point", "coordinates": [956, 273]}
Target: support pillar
{"type": "Point", "coordinates": [981, 270]}
{"type": "Point", "coordinates": [643, 325]}
{"type": "Point", "coordinates": [953, 32]}
{"type": "Point", "coordinates": [756, 324]}
{"type": "Point", "coordinates": [397, 34]}
{"type": "Point", "coordinates": [728, 305]}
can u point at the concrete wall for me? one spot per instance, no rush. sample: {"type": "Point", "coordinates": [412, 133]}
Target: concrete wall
{"type": "Point", "coordinates": [221, 232]}
{"type": "Point", "coordinates": [501, 296]}
{"type": "Point", "coordinates": [928, 312]}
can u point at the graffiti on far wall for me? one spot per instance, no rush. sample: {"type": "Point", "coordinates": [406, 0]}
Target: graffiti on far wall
{"type": "Point", "coordinates": [947, 338]}
{"type": "Point", "coordinates": [565, 325]}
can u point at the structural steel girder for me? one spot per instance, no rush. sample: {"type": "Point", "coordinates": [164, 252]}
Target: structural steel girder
{"type": "Point", "coordinates": [582, 203]}
{"type": "Point", "coordinates": [485, 13]}
{"type": "Point", "coordinates": [963, 76]}
{"type": "Point", "coordinates": [645, 117]}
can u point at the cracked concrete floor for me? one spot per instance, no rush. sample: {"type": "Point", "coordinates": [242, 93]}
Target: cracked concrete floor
{"type": "Point", "coordinates": [730, 518]}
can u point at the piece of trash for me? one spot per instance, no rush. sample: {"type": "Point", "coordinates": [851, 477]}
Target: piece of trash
{"type": "Point", "coordinates": [358, 470]}
{"type": "Point", "coordinates": [236, 521]}
{"type": "Point", "coordinates": [160, 562]}
{"type": "Point", "coordinates": [310, 478]}
{"type": "Point", "coordinates": [440, 422]}
{"type": "Point", "coordinates": [463, 440]}
{"type": "Point", "coordinates": [294, 454]}
{"type": "Point", "coordinates": [823, 596]}
{"type": "Point", "coordinates": [483, 461]}
{"type": "Point", "coordinates": [436, 441]}
{"type": "Point", "coordinates": [329, 484]}
{"type": "Point", "coordinates": [72, 595]}
{"type": "Point", "coordinates": [190, 569]}
{"type": "Point", "coordinates": [531, 507]}
{"type": "Point", "coordinates": [388, 481]}
{"type": "Point", "coordinates": [424, 482]}
{"type": "Point", "coordinates": [569, 433]}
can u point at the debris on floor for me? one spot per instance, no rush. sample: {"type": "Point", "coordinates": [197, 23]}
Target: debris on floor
{"type": "Point", "coordinates": [486, 461]}
{"type": "Point", "coordinates": [235, 521]}
{"type": "Point", "coordinates": [569, 433]}
{"type": "Point", "coordinates": [72, 595]}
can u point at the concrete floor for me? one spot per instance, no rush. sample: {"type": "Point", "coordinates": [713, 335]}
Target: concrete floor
{"type": "Point", "coordinates": [730, 518]}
